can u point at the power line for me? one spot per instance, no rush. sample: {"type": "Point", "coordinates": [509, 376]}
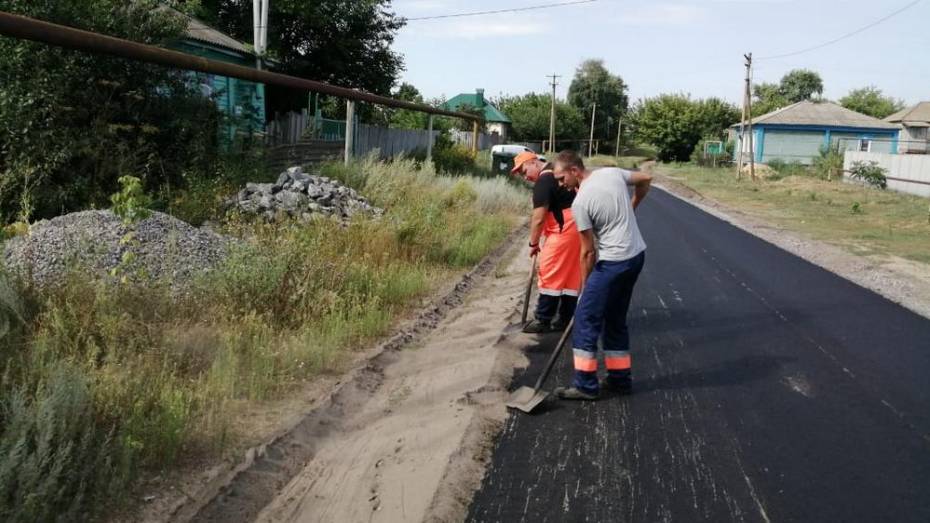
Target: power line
{"type": "Point", "coordinates": [512, 10]}
{"type": "Point", "coordinates": [845, 36]}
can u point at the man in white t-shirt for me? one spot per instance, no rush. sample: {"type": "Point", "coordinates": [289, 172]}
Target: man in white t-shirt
{"type": "Point", "coordinates": [612, 256]}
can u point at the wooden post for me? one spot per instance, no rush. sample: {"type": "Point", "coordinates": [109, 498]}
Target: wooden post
{"type": "Point", "coordinates": [552, 116]}
{"type": "Point", "coordinates": [619, 128]}
{"type": "Point", "coordinates": [474, 137]}
{"type": "Point", "coordinates": [742, 126]}
{"type": "Point", "coordinates": [752, 148]}
{"type": "Point", "coordinates": [429, 139]}
{"type": "Point", "coordinates": [591, 137]}
{"type": "Point", "coordinates": [350, 130]}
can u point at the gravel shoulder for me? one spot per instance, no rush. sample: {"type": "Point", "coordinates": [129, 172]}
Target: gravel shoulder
{"type": "Point", "coordinates": [901, 281]}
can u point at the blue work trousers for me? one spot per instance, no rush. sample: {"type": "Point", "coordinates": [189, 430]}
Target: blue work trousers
{"type": "Point", "coordinates": [601, 313]}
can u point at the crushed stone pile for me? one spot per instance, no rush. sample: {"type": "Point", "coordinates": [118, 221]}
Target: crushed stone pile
{"type": "Point", "coordinates": [164, 248]}
{"type": "Point", "coordinates": [300, 195]}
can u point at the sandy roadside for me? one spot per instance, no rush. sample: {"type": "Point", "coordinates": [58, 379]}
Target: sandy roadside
{"type": "Point", "coordinates": [902, 281]}
{"type": "Point", "coordinates": [423, 431]}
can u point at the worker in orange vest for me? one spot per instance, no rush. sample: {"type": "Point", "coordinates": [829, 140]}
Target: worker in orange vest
{"type": "Point", "coordinates": [559, 268]}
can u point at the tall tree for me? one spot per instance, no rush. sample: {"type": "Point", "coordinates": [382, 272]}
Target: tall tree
{"type": "Point", "coordinates": [767, 97]}
{"type": "Point", "coordinates": [870, 100]}
{"type": "Point", "coordinates": [530, 114]}
{"type": "Point", "coordinates": [72, 123]}
{"type": "Point", "coordinates": [344, 42]}
{"type": "Point", "coordinates": [801, 84]}
{"type": "Point", "coordinates": [796, 86]}
{"type": "Point", "coordinates": [674, 123]}
{"type": "Point", "coordinates": [594, 83]}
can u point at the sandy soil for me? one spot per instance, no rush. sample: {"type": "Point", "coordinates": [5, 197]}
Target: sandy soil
{"type": "Point", "coordinates": [413, 449]}
{"type": "Point", "coordinates": [904, 282]}
{"type": "Point", "coordinates": [405, 435]}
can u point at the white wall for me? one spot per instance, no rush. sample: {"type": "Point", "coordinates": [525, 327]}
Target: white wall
{"type": "Point", "coordinates": [905, 167]}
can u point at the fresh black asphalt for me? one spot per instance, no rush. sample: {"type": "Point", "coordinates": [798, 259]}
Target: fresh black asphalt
{"type": "Point", "coordinates": [767, 389]}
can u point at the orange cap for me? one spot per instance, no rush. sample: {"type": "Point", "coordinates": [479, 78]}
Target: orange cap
{"type": "Point", "coordinates": [521, 159]}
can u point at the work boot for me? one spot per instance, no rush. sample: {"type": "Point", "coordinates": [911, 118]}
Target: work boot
{"type": "Point", "coordinates": [571, 393]}
{"type": "Point", "coordinates": [617, 386]}
{"type": "Point", "coordinates": [537, 327]}
{"type": "Point", "coordinates": [560, 324]}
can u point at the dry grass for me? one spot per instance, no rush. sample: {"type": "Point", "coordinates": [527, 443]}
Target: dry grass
{"type": "Point", "coordinates": [156, 378]}
{"type": "Point", "coordinates": [863, 220]}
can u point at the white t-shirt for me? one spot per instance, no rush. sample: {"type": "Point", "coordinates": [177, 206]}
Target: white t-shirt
{"type": "Point", "coordinates": [603, 204]}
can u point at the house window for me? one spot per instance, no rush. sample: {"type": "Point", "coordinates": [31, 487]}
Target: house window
{"type": "Point", "coordinates": [865, 146]}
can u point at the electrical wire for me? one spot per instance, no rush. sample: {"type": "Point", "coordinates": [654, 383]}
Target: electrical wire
{"type": "Point", "coordinates": [498, 11]}
{"type": "Point", "coordinates": [845, 36]}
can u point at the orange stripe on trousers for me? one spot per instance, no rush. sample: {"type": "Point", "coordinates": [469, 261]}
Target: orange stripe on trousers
{"type": "Point", "coordinates": [617, 363]}
{"type": "Point", "coordinates": [585, 364]}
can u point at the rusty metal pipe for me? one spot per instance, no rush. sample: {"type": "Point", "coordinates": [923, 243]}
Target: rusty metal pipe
{"type": "Point", "coordinates": [62, 36]}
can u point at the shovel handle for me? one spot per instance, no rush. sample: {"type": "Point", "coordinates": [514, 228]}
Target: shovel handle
{"type": "Point", "coordinates": [529, 290]}
{"type": "Point", "coordinates": [555, 355]}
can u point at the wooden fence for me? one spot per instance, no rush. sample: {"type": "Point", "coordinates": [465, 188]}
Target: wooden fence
{"type": "Point", "coordinates": [292, 127]}
{"type": "Point", "coordinates": [391, 142]}
{"type": "Point", "coordinates": [485, 141]}
{"type": "Point", "coordinates": [304, 153]}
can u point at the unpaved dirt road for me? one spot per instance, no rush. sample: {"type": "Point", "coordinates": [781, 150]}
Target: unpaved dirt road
{"type": "Point", "coordinates": [767, 389]}
{"type": "Point", "coordinates": [408, 446]}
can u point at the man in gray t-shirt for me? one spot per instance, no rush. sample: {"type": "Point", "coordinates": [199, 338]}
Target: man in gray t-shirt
{"type": "Point", "coordinates": [612, 256]}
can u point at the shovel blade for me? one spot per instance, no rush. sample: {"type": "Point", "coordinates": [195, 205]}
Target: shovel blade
{"type": "Point", "coordinates": [526, 399]}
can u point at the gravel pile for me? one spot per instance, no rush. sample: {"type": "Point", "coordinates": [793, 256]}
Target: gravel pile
{"type": "Point", "coordinates": [165, 248]}
{"type": "Point", "coordinates": [300, 195]}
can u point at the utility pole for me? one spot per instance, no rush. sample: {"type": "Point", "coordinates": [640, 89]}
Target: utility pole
{"type": "Point", "coordinates": [429, 138]}
{"type": "Point", "coordinates": [552, 113]}
{"type": "Point", "coordinates": [742, 123]}
{"type": "Point", "coordinates": [619, 130]}
{"type": "Point", "coordinates": [752, 149]}
{"type": "Point", "coordinates": [350, 131]}
{"type": "Point", "coordinates": [591, 138]}
{"type": "Point", "coordinates": [260, 34]}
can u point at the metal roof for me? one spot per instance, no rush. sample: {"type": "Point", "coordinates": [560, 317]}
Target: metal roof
{"type": "Point", "coordinates": [491, 113]}
{"type": "Point", "coordinates": [197, 30]}
{"type": "Point", "coordinates": [916, 116]}
{"type": "Point", "coordinates": [820, 114]}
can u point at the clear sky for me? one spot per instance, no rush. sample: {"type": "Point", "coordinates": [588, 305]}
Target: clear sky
{"type": "Point", "coordinates": [689, 46]}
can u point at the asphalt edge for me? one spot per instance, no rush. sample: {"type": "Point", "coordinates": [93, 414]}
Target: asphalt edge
{"type": "Point", "coordinates": [795, 244]}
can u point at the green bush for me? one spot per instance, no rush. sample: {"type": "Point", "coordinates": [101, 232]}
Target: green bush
{"type": "Point", "coordinates": [829, 165]}
{"type": "Point", "coordinates": [452, 158]}
{"type": "Point", "coordinates": [72, 123]}
{"type": "Point", "coordinates": [718, 159]}
{"type": "Point", "coordinates": [60, 463]}
{"type": "Point", "coordinates": [871, 173]}
{"type": "Point", "coordinates": [784, 169]}
{"type": "Point", "coordinates": [11, 309]}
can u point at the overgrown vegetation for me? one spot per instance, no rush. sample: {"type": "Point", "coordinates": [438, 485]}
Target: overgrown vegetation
{"type": "Point", "coordinates": [829, 164]}
{"type": "Point", "coordinates": [101, 382]}
{"type": "Point", "coordinates": [869, 172]}
{"type": "Point", "coordinates": [72, 123]}
{"type": "Point", "coordinates": [675, 123]}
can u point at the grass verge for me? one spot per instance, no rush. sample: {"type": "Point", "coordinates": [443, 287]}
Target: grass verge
{"type": "Point", "coordinates": [102, 383]}
{"type": "Point", "coordinates": [863, 220]}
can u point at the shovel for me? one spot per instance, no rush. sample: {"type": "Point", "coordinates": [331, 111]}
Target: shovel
{"type": "Point", "coordinates": [527, 398]}
{"type": "Point", "coordinates": [526, 300]}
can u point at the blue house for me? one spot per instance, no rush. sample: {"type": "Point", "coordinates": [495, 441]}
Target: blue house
{"type": "Point", "coordinates": [242, 101]}
{"type": "Point", "coordinates": [798, 132]}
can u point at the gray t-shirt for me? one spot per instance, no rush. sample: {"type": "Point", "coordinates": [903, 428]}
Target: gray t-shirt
{"type": "Point", "coordinates": [603, 204]}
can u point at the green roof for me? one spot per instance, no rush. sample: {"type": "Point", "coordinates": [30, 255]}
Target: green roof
{"type": "Point", "coordinates": [491, 113]}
